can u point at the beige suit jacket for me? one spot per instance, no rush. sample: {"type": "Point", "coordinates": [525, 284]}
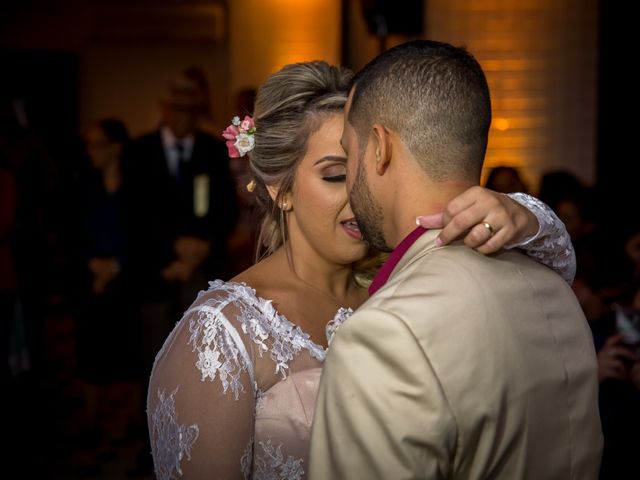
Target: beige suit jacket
{"type": "Point", "coordinates": [462, 366]}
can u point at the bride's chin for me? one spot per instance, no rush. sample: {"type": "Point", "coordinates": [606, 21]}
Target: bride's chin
{"type": "Point", "coordinates": [354, 254]}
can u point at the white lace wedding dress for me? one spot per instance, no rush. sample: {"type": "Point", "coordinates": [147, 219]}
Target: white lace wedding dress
{"type": "Point", "coordinates": [233, 389]}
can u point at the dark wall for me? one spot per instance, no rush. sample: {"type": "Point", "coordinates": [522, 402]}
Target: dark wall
{"type": "Point", "coordinates": [46, 83]}
{"type": "Point", "coordinates": [618, 176]}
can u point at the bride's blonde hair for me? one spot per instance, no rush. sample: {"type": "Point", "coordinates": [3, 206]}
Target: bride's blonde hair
{"type": "Point", "coordinates": [290, 106]}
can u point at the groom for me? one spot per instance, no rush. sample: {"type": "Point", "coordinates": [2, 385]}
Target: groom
{"type": "Point", "coordinates": [460, 365]}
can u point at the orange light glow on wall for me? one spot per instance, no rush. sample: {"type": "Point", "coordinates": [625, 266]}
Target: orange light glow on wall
{"type": "Point", "coordinates": [264, 35]}
{"type": "Point", "coordinates": [540, 61]}
{"type": "Point", "coordinates": [501, 124]}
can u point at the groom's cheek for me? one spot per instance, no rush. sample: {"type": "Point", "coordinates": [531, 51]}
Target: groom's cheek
{"type": "Point", "coordinates": [351, 173]}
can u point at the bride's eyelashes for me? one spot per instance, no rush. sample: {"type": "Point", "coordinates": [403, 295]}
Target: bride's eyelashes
{"type": "Point", "coordinates": [334, 178]}
{"type": "Point", "coordinates": [334, 173]}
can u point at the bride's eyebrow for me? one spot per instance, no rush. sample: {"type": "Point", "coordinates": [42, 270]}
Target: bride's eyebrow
{"type": "Point", "coordinates": [331, 158]}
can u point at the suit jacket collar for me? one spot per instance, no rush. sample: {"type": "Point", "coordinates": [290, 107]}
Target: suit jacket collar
{"type": "Point", "coordinates": [423, 245]}
{"type": "Point", "coordinates": [169, 140]}
{"type": "Point", "coordinates": [396, 255]}
{"type": "Point", "coordinates": [169, 146]}
{"type": "Point", "coordinates": [402, 255]}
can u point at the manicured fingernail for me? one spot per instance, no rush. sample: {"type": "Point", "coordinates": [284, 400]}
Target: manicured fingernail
{"type": "Point", "coordinates": [430, 221]}
{"type": "Point", "coordinates": [438, 242]}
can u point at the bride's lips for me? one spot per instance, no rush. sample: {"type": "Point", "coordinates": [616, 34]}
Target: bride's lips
{"type": "Point", "coordinates": [350, 226]}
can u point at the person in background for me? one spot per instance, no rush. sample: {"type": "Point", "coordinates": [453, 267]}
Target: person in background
{"type": "Point", "coordinates": [182, 208]}
{"type": "Point", "coordinates": [557, 185]}
{"type": "Point", "coordinates": [8, 280]}
{"type": "Point", "coordinates": [617, 338]}
{"type": "Point", "coordinates": [108, 342]}
{"type": "Point", "coordinates": [505, 180]}
{"type": "Point", "coordinates": [198, 78]}
{"type": "Point", "coordinates": [33, 175]}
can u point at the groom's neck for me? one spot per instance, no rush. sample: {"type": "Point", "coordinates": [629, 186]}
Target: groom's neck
{"type": "Point", "coordinates": [420, 198]}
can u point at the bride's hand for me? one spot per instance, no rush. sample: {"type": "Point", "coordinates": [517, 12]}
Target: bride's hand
{"type": "Point", "coordinates": [486, 219]}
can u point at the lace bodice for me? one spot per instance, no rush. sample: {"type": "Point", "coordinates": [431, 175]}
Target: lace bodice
{"type": "Point", "coordinates": [234, 365]}
{"type": "Point", "coordinates": [233, 389]}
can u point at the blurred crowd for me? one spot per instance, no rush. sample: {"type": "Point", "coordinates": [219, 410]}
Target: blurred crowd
{"type": "Point", "coordinates": [100, 253]}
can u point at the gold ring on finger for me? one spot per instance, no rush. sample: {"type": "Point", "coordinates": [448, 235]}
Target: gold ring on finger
{"type": "Point", "coordinates": [488, 227]}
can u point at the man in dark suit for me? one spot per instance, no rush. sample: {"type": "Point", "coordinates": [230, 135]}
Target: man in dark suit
{"type": "Point", "coordinates": [183, 208]}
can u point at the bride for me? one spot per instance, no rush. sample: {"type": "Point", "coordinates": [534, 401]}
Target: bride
{"type": "Point", "coordinates": [233, 390]}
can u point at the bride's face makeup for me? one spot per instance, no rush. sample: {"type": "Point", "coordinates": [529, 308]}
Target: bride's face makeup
{"type": "Point", "coordinates": [321, 216]}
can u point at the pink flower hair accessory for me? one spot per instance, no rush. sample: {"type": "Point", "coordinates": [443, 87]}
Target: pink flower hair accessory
{"type": "Point", "coordinates": [239, 136]}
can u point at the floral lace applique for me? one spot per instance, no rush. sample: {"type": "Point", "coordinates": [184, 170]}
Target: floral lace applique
{"type": "Point", "coordinates": [552, 245]}
{"type": "Point", "coordinates": [339, 319]}
{"type": "Point", "coordinates": [260, 399]}
{"type": "Point", "coordinates": [170, 441]}
{"type": "Point", "coordinates": [264, 323]}
{"type": "Point", "coordinates": [247, 460]}
{"type": "Point", "coordinates": [220, 350]}
{"type": "Point", "coordinates": [219, 347]}
{"type": "Point", "coordinates": [258, 319]}
{"type": "Point", "coordinates": [270, 464]}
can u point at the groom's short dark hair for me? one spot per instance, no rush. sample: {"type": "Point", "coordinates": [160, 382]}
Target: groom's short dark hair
{"type": "Point", "coordinates": [435, 97]}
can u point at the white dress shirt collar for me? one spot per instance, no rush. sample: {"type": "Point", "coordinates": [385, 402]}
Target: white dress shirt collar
{"type": "Point", "coordinates": [169, 142]}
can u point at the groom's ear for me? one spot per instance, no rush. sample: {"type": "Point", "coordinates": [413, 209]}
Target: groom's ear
{"type": "Point", "coordinates": [383, 148]}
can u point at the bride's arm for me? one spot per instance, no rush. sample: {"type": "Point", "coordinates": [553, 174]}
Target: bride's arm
{"type": "Point", "coordinates": [201, 400]}
{"type": "Point", "coordinates": [551, 245]}
{"type": "Point", "coordinates": [516, 220]}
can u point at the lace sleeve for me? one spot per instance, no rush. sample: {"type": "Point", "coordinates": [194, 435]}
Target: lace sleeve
{"type": "Point", "coordinates": [201, 399]}
{"type": "Point", "coordinates": [552, 245]}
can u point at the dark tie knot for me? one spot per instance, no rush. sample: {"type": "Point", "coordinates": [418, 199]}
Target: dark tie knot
{"type": "Point", "coordinates": [181, 176]}
{"type": "Point", "coordinates": [180, 151]}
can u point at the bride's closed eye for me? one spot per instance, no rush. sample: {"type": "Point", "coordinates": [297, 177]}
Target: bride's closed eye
{"type": "Point", "coordinates": [335, 178]}
{"type": "Point", "coordinates": [334, 173]}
